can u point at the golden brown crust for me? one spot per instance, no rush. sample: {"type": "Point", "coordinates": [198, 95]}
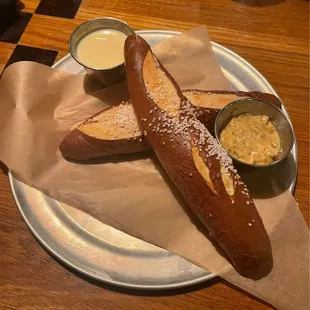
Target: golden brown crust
{"type": "Point", "coordinates": [252, 94]}
{"type": "Point", "coordinates": [78, 145]}
{"type": "Point", "coordinates": [196, 164]}
{"type": "Point", "coordinates": [210, 102]}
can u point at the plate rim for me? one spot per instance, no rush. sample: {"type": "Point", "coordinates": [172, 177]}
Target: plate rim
{"type": "Point", "coordinates": [91, 275]}
{"type": "Point", "coordinates": [112, 282]}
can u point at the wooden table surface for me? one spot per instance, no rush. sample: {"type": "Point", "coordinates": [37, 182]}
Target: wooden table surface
{"type": "Point", "coordinates": [271, 34]}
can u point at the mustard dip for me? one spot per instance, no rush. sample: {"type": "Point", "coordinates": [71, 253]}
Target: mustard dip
{"type": "Point", "coordinates": [251, 138]}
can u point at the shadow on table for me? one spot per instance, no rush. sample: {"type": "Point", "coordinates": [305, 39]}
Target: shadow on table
{"type": "Point", "coordinates": [260, 3]}
{"type": "Point", "coordinates": [3, 167]}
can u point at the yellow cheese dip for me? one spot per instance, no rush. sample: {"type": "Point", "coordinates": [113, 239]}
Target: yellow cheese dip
{"type": "Point", "coordinates": [103, 48]}
{"type": "Point", "coordinates": [251, 139]}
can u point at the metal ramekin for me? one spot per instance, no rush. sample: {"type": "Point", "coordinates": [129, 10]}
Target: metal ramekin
{"type": "Point", "coordinates": [107, 76]}
{"type": "Point", "coordinates": [258, 107]}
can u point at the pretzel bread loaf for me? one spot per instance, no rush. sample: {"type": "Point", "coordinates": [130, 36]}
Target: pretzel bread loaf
{"type": "Point", "coordinates": [112, 131]}
{"type": "Point", "coordinates": [197, 165]}
{"type": "Point", "coordinates": [115, 130]}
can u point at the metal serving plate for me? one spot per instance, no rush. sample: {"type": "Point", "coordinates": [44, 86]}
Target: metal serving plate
{"type": "Point", "coordinates": [102, 252]}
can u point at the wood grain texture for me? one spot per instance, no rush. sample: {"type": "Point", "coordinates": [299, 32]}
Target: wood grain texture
{"type": "Point", "coordinates": [274, 38]}
{"type": "Point", "coordinates": [6, 50]}
{"type": "Point", "coordinates": [30, 5]}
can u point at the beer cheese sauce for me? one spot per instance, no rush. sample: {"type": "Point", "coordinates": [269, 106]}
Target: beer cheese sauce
{"type": "Point", "coordinates": [251, 138]}
{"type": "Point", "coordinates": [102, 48]}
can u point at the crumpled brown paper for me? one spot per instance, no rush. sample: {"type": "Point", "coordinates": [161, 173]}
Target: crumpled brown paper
{"type": "Point", "coordinates": [40, 105]}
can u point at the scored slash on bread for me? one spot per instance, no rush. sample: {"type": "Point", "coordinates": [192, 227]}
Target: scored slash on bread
{"type": "Point", "coordinates": [115, 130]}
{"type": "Point", "coordinates": [195, 162]}
{"type": "Point", "coordinates": [209, 103]}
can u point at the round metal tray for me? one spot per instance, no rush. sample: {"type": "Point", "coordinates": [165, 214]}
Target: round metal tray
{"type": "Point", "coordinates": [102, 252]}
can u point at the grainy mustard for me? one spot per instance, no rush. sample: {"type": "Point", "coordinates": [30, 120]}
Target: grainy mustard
{"type": "Point", "coordinates": [251, 138]}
